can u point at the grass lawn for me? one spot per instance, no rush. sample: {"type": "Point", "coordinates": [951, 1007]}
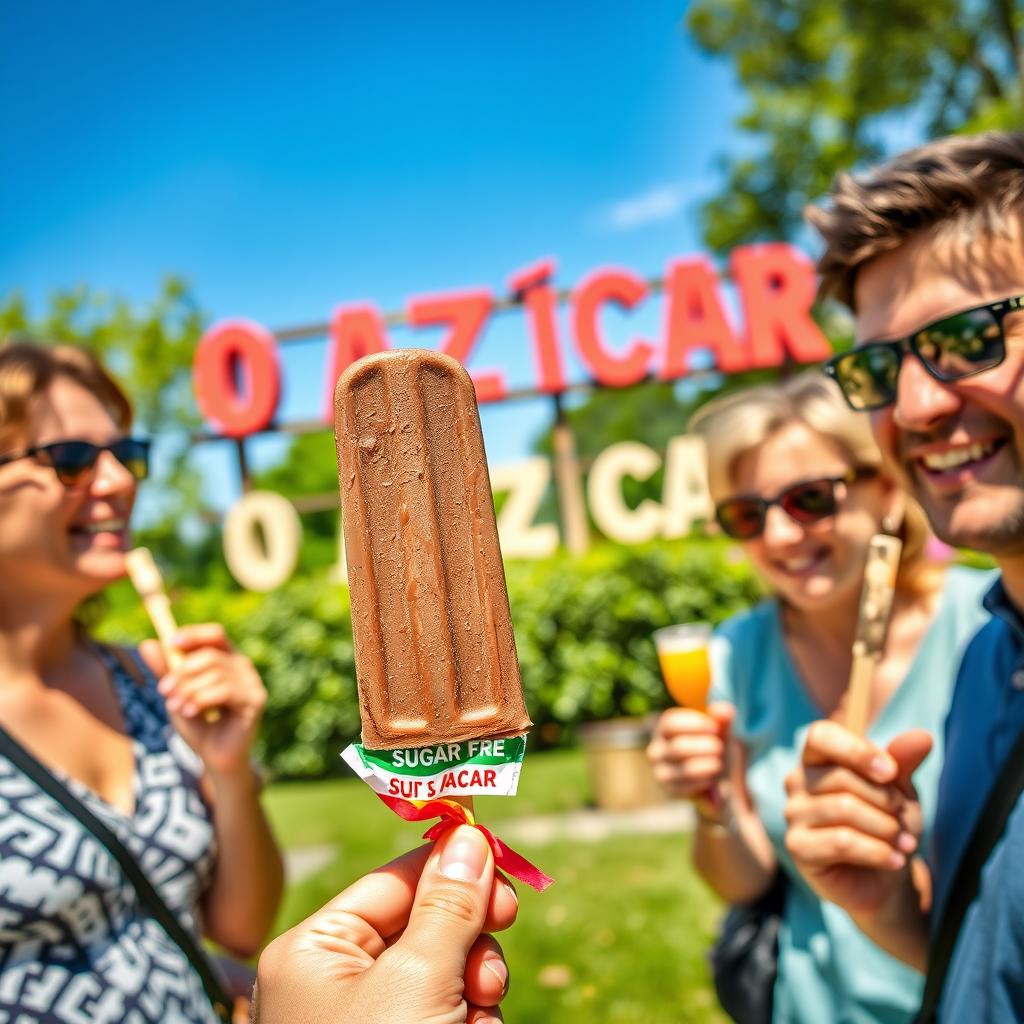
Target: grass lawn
{"type": "Point", "coordinates": [620, 938]}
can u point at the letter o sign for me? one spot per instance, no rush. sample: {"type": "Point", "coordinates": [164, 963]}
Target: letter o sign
{"type": "Point", "coordinates": [262, 562]}
{"type": "Point", "coordinates": [237, 377]}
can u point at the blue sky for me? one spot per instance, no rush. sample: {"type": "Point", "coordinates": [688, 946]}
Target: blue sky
{"type": "Point", "coordinates": [286, 159]}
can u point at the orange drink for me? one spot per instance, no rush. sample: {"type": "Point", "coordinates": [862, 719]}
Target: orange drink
{"type": "Point", "coordinates": [683, 656]}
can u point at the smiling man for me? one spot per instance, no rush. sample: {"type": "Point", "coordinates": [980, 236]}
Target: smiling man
{"type": "Point", "coordinates": [928, 251]}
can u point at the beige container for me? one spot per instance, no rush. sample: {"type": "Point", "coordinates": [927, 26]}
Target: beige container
{"type": "Point", "coordinates": [620, 774]}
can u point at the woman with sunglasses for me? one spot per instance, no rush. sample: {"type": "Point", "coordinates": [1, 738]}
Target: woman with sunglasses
{"type": "Point", "coordinates": [798, 483]}
{"type": "Point", "coordinates": [129, 740]}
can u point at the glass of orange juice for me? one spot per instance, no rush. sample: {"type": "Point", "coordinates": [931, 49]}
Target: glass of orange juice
{"type": "Point", "coordinates": [683, 655]}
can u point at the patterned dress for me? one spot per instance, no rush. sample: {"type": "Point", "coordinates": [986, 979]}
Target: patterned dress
{"type": "Point", "coordinates": [76, 947]}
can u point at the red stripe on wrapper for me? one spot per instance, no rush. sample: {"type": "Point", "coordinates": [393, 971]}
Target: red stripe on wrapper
{"type": "Point", "coordinates": [452, 815]}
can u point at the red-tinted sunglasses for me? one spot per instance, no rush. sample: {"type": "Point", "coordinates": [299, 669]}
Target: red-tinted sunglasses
{"type": "Point", "coordinates": [743, 517]}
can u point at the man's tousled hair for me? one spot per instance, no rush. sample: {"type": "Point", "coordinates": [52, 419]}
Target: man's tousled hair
{"type": "Point", "coordinates": [974, 184]}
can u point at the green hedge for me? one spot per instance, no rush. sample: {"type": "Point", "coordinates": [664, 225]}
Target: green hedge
{"type": "Point", "coordinates": [583, 630]}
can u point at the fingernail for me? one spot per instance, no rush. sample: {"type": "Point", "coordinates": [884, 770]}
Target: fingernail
{"type": "Point", "coordinates": [173, 703]}
{"type": "Point", "coordinates": [511, 891]}
{"type": "Point", "coordinates": [896, 860]}
{"type": "Point", "coordinates": [882, 769]}
{"type": "Point", "coordinates": [464, 855]}
{"type": "Point", "coordinates": [498, 968]}
{"type": "Point", "coordinates": [165, 685]}
{"type": "Point", "coordinates": [906, 842]}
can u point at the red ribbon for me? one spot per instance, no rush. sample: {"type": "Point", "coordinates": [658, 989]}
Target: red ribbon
{"type": "Point", "coordinates": [452, 815]}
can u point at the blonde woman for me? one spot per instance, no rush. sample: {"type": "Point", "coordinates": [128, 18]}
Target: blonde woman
{"type": "Point", "coordinates": [797, 481]}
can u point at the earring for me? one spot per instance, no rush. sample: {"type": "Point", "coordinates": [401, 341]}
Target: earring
{"type": "Point", "coordinates": [889, 525]}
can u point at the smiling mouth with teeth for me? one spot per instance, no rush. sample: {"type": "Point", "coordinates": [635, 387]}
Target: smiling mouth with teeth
{"type": "Point", "coordinates": [102, 526]}
{"type": "Point", "coordinates": [801, 563]}
{"type": "Point", "coordinates": [954, 458]}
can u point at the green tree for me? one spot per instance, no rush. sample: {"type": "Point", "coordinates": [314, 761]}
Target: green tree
{"type": "Point", "coordinates": [828, 83]}
{"type": "Point", "coordinates": [309, 470]}
{"type": "Point", "coordinates": [148, 347]}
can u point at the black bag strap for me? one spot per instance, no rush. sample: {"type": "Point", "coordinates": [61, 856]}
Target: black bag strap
{"type": "Point", "coordinates": [1002, 799]}
{"type": "Point", "coordinates": [148, 896]}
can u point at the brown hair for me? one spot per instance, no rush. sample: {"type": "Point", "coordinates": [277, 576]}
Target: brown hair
{"type": "Point", "coordinates": [743, 420]}
{"type": "Point", "coordinates": [974, 184]}
{"type": "Point", "coordinates": [27, 370]}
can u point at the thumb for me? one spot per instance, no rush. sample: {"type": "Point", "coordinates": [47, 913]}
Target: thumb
{"type": "Point", "coordinates": [723, 713]}
{"type": "Point", "coordinates": [908, 750]}
{"type": "Point", "coordinates": [153, 655]}
{"type": "Point", "coordinates": [451, 901]}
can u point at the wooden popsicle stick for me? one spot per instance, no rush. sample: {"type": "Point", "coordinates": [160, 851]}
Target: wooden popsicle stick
{"type": "Point", "coordinates": [464, 801]}
{"type": "Point", "coordinates": [858, 694]}
{"type": "Point", "coordinates": [146, 578]}
{"type": "Point", "coordinates": [876, 598]}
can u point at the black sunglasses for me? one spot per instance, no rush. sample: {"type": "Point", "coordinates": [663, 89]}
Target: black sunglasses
{"type": "Point", "coordinates": [949, 349]}
{"type": "Point", "coordinates": [74, 461]}
{"type": "Point", "coordinates": [809, 501]}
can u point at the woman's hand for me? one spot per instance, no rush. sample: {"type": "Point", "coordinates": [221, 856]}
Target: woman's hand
{"type": "Point", "coordinates": [214, 695]}
{"type": "Point", "coordinates": [402, 945]}
{"type": "Point", "coordinates": [689, 752]}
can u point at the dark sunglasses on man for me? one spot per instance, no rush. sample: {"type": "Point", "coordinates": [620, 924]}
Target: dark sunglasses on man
{"type": "Point", "coordinates": [75, 461]}
{"type": "Point", "coordinates": [952, 348]}
{"type": "Point", "coordinates": [743, 517]}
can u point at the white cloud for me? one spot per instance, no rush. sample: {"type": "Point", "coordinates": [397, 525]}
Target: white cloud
{"type": "Point", "coordinates": [658, 203]}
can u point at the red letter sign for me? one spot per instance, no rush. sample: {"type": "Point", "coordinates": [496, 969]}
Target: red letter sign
{"type": "Point", "coordinates": [237, 377]}
{"type": "Point", "coordinates": [695, 319]}
{"type": "Point", "coordinates": [356, 331]}
{"type": "Point", "coordinates": [627, 290]}
{"type": "Point", "coordinates": [466, 312]}
{"type": "Point", "coordinates": [776, 284]}
{"type": "Point", "coordinates": [539, 299]}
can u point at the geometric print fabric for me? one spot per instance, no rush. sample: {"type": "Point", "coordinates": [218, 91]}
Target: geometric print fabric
{"type": "Point", "coordinates": [76, 946]}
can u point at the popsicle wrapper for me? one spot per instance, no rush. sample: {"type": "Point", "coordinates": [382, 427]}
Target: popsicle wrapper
{"type": "Point", "coordinates": [469, 768]}
{"type": "Point", "coordinates": [415, 783]}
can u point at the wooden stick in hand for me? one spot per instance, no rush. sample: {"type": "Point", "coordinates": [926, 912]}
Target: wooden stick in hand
{"type": "Point", "coordinates": [876, 600]}
{"type": "Point", "coordinates": [146, 578]}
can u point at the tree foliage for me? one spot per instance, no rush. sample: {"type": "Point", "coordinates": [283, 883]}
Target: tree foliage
{"type": "Point", "coordinates": [829, 84]}
{"type": "Point", "coordinates": [149, 347]}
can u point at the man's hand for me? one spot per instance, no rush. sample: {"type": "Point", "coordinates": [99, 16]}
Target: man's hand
{"type": "Point", "coordinates": [854, 818]}
{"type": "Point", "coordinates": [403, 945]}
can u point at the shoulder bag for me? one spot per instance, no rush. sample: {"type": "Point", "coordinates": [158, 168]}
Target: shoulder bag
{"type": "Point", "coordinates": [744, 959]}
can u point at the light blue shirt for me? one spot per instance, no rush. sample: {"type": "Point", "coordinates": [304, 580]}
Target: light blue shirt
{"type": "Point", "coordinates": [829, 971]}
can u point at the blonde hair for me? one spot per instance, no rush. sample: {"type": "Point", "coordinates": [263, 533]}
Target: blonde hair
{"type": "Point", "coordinates": [27, 370]}
{"type": "Point", "coordinates": [739, 422]}
{"type": "Point", "coordinates": [967, 186]}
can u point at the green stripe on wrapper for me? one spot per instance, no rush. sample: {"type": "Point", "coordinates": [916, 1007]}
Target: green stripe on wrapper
{"type": "Point", "coordinates": [470, 768]}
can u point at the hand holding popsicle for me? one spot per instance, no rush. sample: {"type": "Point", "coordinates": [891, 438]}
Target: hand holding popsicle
{"type": "Point", "coordinates": [401, 945]}
{"type": "Point", "coordinates": [210, 676]}
{"type": "Point", "coordinates": [690, 744]}
{"type": "Point", "coordinates": [213, 693]}
{"type": "Point", "coordinates": [854, 819]}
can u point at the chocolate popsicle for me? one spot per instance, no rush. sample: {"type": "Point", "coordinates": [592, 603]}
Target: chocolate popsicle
{"type": "Point", "coordinates": [434, 650]}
